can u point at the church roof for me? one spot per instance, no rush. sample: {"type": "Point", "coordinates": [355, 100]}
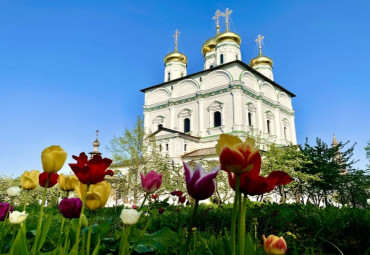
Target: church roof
{"type": "Point", "coordinates": [221, 66]}
{"type": "Point", "coordinates": [184, 135]}
{"type": "Point", "coordinates": [201, 152]}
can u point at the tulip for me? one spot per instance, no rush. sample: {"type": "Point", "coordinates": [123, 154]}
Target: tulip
{"type": "Point", "coordinates": [182, 199]}
{"type": "Point", "coordinates": [177, 193]}
{"type": "Point", "coordinates": [4, 208]}
{"type": "Point", "coordinates": [91, 171]}
{"type": "Point", "coordinates": [17, 217]}
{"type": "Point", "coordinates": [67, 182]}
{"type": "Point", "coordinates": [70, 208]}
{"type": "Point", "coordinates": [13, 191]}
{"type": "Point", "coordinates": [130, 216]}
{"type": "Point", "coordinates": [151, 182]}
{"type": "Point", "coordinates": [97, 196]}
{"type": "Point", "coordinates": [154, 196]}
{"type": "Point", "coordinates": [236, 156]}
{"type": "Point", "coordinates": [251, 183]}
{"type": "Point", "coordinates": [274, 245]}
{"type": "Point", "coordinates": [30, 180]}
{"type": "Point", "coordinates": [200, 185]}
{"type": "Point", "coordinates": [44, 177]}
{"type": "Point", "coordinates": [53, 158]}
{"type": "Point", "coordinates": [134, 206]}
{"type": "Point", "coordinates": [160, 210]}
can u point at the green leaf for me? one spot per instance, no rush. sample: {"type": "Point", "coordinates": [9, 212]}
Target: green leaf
{"type": "Point", "coordinates": [96, 250]}
{"type": "Point", "coordinates": [249, 245]}
{"type": "Point", "coordinates": [44, 231]}
{"type": "Point", "coordinates": [20, 245]}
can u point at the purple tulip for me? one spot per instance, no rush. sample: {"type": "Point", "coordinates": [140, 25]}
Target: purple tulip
{"type": "Point", "coordinates": [70, 208]}
{"type": "Point", "coordinates": [151, 182]}
{"type": "Point", "coordinates": [200, 185]}
{"type": "Point", "coordinates": [4, 207]}
{"type": "Point", "coordinates": [160, 210]}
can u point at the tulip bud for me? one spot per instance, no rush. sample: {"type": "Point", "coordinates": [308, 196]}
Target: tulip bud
{"type": "Point", "coordinates": [274, 245]}
{"type": "Point", "coordinates": [13, 191]}
{"type": "Point", "coordinates": [17, 217]}
{"type": "Point", "coordinates": [84, 221]}
{"type": "Point", "coordinates": [30, 180]}
{"type": "Point", "coordinates": [53, 158]}
{"type": "Point", "coordinates": [130, 216]}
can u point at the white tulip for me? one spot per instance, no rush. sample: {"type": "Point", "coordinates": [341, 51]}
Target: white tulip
{"type": "Point", "coordinates": [368, 201]}
{"type": "Point", "coordinates": [130, 216]}
{"type": "Point", "coordinates": [13, 191]}
{"type": "Point", "coordinates": [17, 217]}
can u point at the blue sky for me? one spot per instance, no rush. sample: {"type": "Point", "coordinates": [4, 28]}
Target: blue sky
{"type": "Point", "coordinates": [68, 68]}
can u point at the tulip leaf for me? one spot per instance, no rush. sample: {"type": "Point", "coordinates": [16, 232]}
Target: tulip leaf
{"type": "Point", "coordinates": [44, 232]}
{"type": "Point", "coordinates": [20, 245]}
{"type": "Point", "coordinates": [96, 250]}
{"type": "Point", "coordinates": [249, 245]}
{"type": "Point", "coordinates": [157, 242]}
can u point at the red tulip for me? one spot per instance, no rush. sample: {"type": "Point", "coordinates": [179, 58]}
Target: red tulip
{"type": "Point", "coordinates": [177, 193]}
{"type": "Point", "coordinates": [200, 185]}
{"type": "Point", "coordinates": [151, 182]}
{"type": "Point", "coordinates": [91, 171]}
{"type": "Point", "coordinates": [182, 199]}
{"type": "Point", "coordinates": [44, 177]}
{"type": "Point", "coordinates": [160, 210]}
{"type": "Point", "coordinates": [236, 156]}
{"type": "Point", "coordinates": [134, 206]}
{"type": "Point", "coordinates": [154, 196]}
{"type": "Point", "coordinates": [274, 245]}
{"type": "Point", "coordinates": [251, 183]}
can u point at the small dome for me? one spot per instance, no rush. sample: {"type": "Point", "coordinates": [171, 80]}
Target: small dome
{"type": "Point", "coordinates": [228, 36]}
{"type": "Point", "coordinates": [96, 143]}
{"type": "Point", "coordinates": [175, 56]}
{"type": "Point", "coordinates": [208, 45]}
{"type": "Point", "coordinates": [261, 60]}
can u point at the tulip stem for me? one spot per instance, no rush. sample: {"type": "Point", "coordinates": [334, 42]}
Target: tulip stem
{"type": "Point", "coordinates": [191, 226]}
{"type": "Point", "coordinates": [80, 220]}
{"type": "Point", "coordinates": [26, 201]}
{"type": "Point", "coordinates": [60, 232]}
{"type": "Point", "coordinates": [67, 237]}
{"type": "Point", "coordinates": [234, 214]}
{"type": "Point", "coordinates": [142, 204]}
{"type": "Point", "coordinates": [241, 237]}
{"type": "Point", "coordinates": [35, 248]}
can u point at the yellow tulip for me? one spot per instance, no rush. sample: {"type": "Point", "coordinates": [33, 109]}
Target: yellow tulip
{"type": "Point", "coordinates": [67, 182]}
{"type": "Point", "coordinates": [97, 196]}
{"type": "Point", "coordinates": [30, 180]}
{"type": "Point", "coordinates": [53, 159]}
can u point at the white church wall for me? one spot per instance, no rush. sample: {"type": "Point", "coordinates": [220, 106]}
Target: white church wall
{"type": "Point", "coordinates": [250, 81]}
{"type": "Point", "coordinates": [184, 88]}
{"type": "Point", "coordinates": [158, 96]}
{"type": "Point", "coordinates": [215, 78]}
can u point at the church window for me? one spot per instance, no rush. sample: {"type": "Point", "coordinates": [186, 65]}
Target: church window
{"type": "Point", "coordinates": [171, 87]}
{"type": "Point", "coordinates": [182, 74]}
{"type": "Point", "coordinates": [168, 76]}
{"type": "Point", "coordinates": [211, 66]}
{"type": "Point", "coordinates": [185, 147]}
{"type": "Point", "coordinates": [249, 119]}
{"type": "Point", "coordinates": [167, 147]}
{"type": "Point", "coordinates": [221, 58]}
{"type": "Point", "coordinates": [160, 147]}
{"type": "Point", "coordinates": [237, 57]}
{"type": "Point", "coordinates": [200, 79]}
{"type": "Point", "coordinates": [285, 132]}
{"type": "Point", "coordinates": [268, 126]}
{"type": "Point", "coordinates": [217, 119]}
{"type": "Point", "coordinates": [160, 126]}
{"type": "Point", "coordinates": [186, 125]}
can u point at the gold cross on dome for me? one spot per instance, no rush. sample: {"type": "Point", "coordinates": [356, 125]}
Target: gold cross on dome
{"type": "Point", "coordinates": [226, 14]}
{"type": "Point", "coordinates": [216, 17]}
{"type": "Point", "coordinates": [259, 41]}
{"type": "Point", "coordinates": [176, 36]}
{"type": "Point", "coordinates": [97, 133]}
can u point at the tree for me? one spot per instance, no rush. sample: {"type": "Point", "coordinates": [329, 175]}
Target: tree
{"type": "Point", "coordinates": [367, 149]}
{"type": "Point", "coordinates": [329, 163]}
{"type": "Point", "coordinates": [291, 160]}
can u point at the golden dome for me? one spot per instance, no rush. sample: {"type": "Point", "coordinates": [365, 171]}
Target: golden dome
{"type": "Point", "coordinates": [228, 36]}
{"type": "Point", "coordinates": [175, 56]}
{"type": "Point", "coordinates": [261, 60]}
{"type": "Point", "coordinates": [208, 46]}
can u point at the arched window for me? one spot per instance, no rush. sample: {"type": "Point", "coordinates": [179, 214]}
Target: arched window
{"type": "Point", "coordinates": [211, 66]}
{"type": "Point", "coordinates": [268, 126]}
{"type": "Point", "coordinates": [221, 58]}
{"type": "Point", "coordinates": [284, 132]}
{"type": "Point", "coordinates": [237, 57]}
{"type": "Point", "coordinates": [168, 76]}
{"type": "Point", "coordinates": [160, 147]}
{"type": "Point", "coordinates": [217, 119]}
{"type": "Point", "coordinates": [186, 125]}
{"type": "Point", "coordinates": [160, 126]}
{"type": "Point", "coordinates": [249, 119]}
{"type": "Point", "coordinates": [185, 147]}
{"type": "Point", "coordinates": [200, 79]}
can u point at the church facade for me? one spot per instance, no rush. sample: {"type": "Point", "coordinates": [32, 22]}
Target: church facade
{"type": "Point", "coordinates": [187, 113]}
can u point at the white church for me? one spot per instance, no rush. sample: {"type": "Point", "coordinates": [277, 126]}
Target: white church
{"type": "Point", "coordinates": [187, 113]}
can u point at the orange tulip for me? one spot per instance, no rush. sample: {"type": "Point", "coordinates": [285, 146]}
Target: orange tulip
{"type": "Point", "coordinates": [236, 156]}
{"type": "Point", "coordinates": [274, 245]}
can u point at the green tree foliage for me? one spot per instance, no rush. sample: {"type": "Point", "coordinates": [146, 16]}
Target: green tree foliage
{"type": "Point", "coordinates": [367, 149]}
{"type": "Point", "coordinates": [329, 163]}
{"type": "Point", "coordinates": [291, 160]}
